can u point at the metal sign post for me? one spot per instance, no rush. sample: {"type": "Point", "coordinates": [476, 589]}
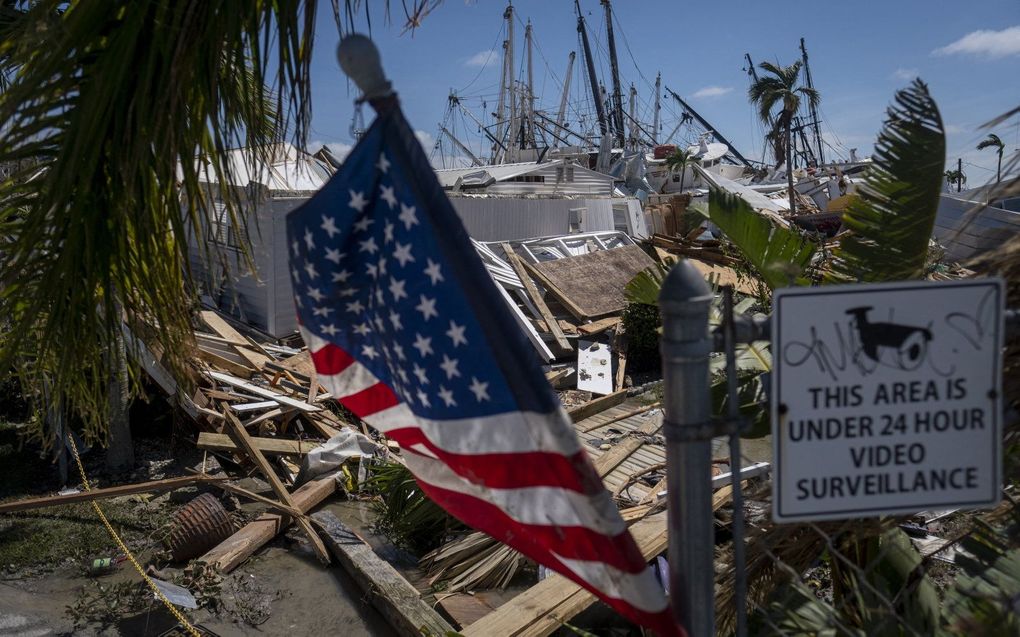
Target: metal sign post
{"type": "Point", "coordinates": [886, 398]}
{"type": "Point", "coordinates": [684, 301]}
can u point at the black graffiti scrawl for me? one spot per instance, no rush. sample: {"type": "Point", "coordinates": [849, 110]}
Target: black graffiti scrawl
{"type": "Point", "coordinates": [908, 343]}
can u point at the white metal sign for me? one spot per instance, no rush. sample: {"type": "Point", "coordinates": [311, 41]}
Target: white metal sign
{"type": "Point", "coordinates": [594, 367]}
{"type": "Point", "coordinates": [886, 398]}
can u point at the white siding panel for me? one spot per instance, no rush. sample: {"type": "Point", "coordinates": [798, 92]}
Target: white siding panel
{"type": "Point", "coordinates": [511, 219]}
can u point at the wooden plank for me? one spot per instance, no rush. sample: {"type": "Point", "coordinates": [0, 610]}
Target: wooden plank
{"type": "Point", "coordinates": [593, 284]}
{"type": "Point", "coordinates": [623, 416]}
{"type": "Point", "coordinates": [272, 446]}
{"type": "Point", "coordinates": [169, 484]}
{"type": "Point", "coordinates": [620, 451]}
{"type": "Point", "coordinates": [233, 551]}
{"type": "Point", "coordinates": [216, 323]}
{"type": "Point", "coordinates": [386, 589]}
{"type": "Point", "coordinates": [262, 391]}
{"type": "Point", "coordinates": [599, 326]}
{"type": "Point", "coordinates": [272, 504]}
{"type": "Point", "coordinates": [240, 436]}
{"type": "Point", "coordinates": [561, 296]}
{"type": "Point", "coordinates": [620, 347]}
{"type": "Point", "coordinates": [259, 406]}
{"type": "Point", "coordinates": [536, 298]}
{"type": "Point", "coordinates": [592, 407]}
{"type": "Point", "coordinates": [224, 364]}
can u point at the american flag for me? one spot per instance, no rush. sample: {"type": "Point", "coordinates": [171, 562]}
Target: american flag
{"type": "Point", "coordinates": [407, 330]}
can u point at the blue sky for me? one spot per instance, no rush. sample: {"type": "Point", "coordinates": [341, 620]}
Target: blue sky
{"type": "Point", "coordinates": [860, 53]}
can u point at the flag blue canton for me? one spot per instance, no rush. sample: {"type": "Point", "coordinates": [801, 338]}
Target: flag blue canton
{"type": "Point", "coordinates": [370, 276]}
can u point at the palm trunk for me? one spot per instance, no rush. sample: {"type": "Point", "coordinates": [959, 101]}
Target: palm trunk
{"type": "Point", "coordinates": [683, 169]}
{"type": "Point", "coordinates": [998, 168]}
{"type": "Point", "coordinates": [789, 164]}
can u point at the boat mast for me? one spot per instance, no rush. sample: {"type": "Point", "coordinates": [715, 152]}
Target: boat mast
{"type": "Point", "coordinates": [615, 70]}
{"type": "Point", "coordinates": [566, 90]}
{"type": "Point", "coordinates": [531, 90]}
{"type": "Point", "coordinates": [512, 143]}
{"type": "Point", "coordinates": [600, 111]}
{"type": "Point", "coordinates": [500, 112]}
{"type": "Point", "coordinates": [811, 107]}
{"type": "Point", "coordinates": [658, 106]}
{"type": "Point", "coordinates": [497, 143]}
{"type": "Point", "coordinates": [632, 141]}
{"type": "Point", "coordinates": [462, 147]}
{"type": "Point", "coordinates": [711, 129]}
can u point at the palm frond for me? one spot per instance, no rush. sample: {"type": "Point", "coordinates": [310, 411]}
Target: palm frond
{"type": "Point", "coordinates": [779, 254]}
{"type": "Point", "coordinates": [892, 217]}
{"type": "Point", "coordinates": [120, 107]}
{"type": "Point", "coordinates": [992, 141]}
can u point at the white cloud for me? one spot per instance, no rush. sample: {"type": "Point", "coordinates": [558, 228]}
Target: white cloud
{"type": "Point", "coordinates": [481, 58]}
{"type": "Point", "coordinates": [955, 129]}
{"type": "Point", "coordinates": [711, 91]}
{"type": "Point", "coordinates": [904, 74]}
{"type": "Point", "coordinates": [987, 44]}
{"type": "Point", "coordinates": [338, 150]}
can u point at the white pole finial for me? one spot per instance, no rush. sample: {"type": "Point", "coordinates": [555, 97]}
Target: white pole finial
{"type": "Point", "coordinates": [359, 59]}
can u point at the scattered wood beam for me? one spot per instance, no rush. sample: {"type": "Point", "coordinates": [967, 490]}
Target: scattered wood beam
{"type": "Point", "coordinates": [272, 446]}
{"type": "Point", "coordinates": [169, 484]}
{"type": "Point", "coordinates": [387, 590]}
{"type": "Point", "coordinates": [529, 288]}
{"type": "Point", "coordinates": [592, 407]}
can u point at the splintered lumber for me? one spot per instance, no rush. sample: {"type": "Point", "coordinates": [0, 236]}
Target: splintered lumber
{"type": "Point", "coordinates": [272, 446]}
{"type": "Point", "coordinates": [592, 407]}
{"type": "Point", "coordinates": [592, 285]}
{"type": "Point", "coordinates": [233, 551]}
{"type": "Point", "coordinates": [387, 590]}
{"type": "Point", "coordinates": [240, 436]}
{"type": "Point", "coordinates": [169, 484]}
{"type": "Point", "coordinates": [599, 326]}
{"type": "Point", "coordinates": [225, 331]}
{"type": "Point", "coordinates": [623, 449]}
{"type": "Point", "coordinates": [262, 391]}
{"type": "Point", "coordinates": [223, 363]}
{"type": "Point", "coordinates": [620, 347]}
{"type": "Point", "coordinates": [529, 288]}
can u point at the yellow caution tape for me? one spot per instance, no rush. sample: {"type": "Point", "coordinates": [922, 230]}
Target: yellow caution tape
{"type": "Point", "coordinates": [123, 547]}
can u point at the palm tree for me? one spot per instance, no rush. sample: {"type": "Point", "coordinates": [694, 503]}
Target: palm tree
{"type": "Point", "coordinates": [678, 163]}
{"type": "Point", "coordinates": [993, 141]}
{"type": "Point", "coordinates": [957, 177]}
{"type": "Point", "coordinates": [779, 87]}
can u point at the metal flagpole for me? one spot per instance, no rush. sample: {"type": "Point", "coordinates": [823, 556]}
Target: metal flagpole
{"type": "Point", "coordinates": [684, 301]}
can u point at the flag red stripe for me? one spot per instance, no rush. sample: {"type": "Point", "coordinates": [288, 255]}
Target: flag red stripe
{"type": "Point", "coordinates": [502, 470]}
{"type": "Point", "coordinates": [536, 542]}
{"type": "Point", "coordinates": [330, 360]}
{"type": "Point", "coordinates": [371, 400]}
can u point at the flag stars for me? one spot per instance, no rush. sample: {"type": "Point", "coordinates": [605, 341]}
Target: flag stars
{"type": "Point", "coordinates": [362, 329]}
{"type": "Point", "coordinates": [402, 373]}
{"type": "Point", "coordinates": [388, 232]}
{"type": "Point", "coordinates": [399, 350]}
{"type": "Point", "coordinates": [479, 389]}
{"type": "Point", "coordinates": [340, 276]}
{"type": "Point", "coordinates": [423, 376]}
{"type": "Point", "coordinates": [369, 352]}
{"type": "Point", "coordinates": [362, 224]}
{"type": "Point", "coordinates": [330, 329]}
{"type": "Point", "coordinates": [395, 320]}
{"type": "Point", "coordinates": [408, 216]}
{"type": "Point", "coordinates": [322, 311]}
{"type": "Point", "coordinates": [456, 334]}
{"type": "Point", "coordinates": [402, 253]}
{"type": "Point", "coordinates": [356, 307]}
{"type": "Point", "coordinates": [423, 399]}
{"type": "Point", "coordinates": [384, 164]}
{"type": "Point", "coordinates": [296, 274]}
{"type": "Point", "coordinates": [358, 201]}
{"type": "Point", "coordinates": [423, 345]}
{"type": "Point", "coordinates": [397, 289]}
{"type": "Point", "coordinates": [447, 396]}
{"type": "Point", "coordinates": [295, 247]}
{"type": "Point", "coordinates": [347, 292]}
{"type": "Point", "coordinates": [427, 307]}
{"type": "Point", "coordinates": [382, 265]}
{"type": "Point", "coordinates": [329, 226]}
{"type": "Point", "coordinates": [314, 293]}
{"type": "Point", "coordinates": [379, 298]}
{"type": "Point", "coordinates": [379, 323]}
{"type": "Point", "coordinates": [309, 239]}
{"type": "Point", "coordinates": [386, 192]}
{"type": "Point", "coordinates": [432, 272]}
{"type": "Point", "coordinates": [368, 245]}
{"type": "Point", "coordinates": [449, 365]}
{"type": "Point", "coordinates": [310, 269]}
{"type": "Point", "coordinates": [334, 255]}
{"type": "Point", "coordinates": [372, 270]}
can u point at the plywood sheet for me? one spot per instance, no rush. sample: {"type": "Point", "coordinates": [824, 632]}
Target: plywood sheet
{"type": "Point", "coordinates": [594, 282]}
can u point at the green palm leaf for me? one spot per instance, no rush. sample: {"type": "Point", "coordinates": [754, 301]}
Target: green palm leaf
{"type": "Point", "coordinates": [892, 218]}
{"type": "Point", "coordinates": [113, 109]}
{"type": "Point", "coordinates": [779, 254]}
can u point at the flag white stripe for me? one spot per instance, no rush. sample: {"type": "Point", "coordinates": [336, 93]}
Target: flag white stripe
{"type": "Point", "coordinates": [544, 506]}
{"type": "Point", "coordinates": [641, 590]}
{"type": "Point", "coordinates": [514, 432]}
{"type": "Point", "coordinates": [352, 380]}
